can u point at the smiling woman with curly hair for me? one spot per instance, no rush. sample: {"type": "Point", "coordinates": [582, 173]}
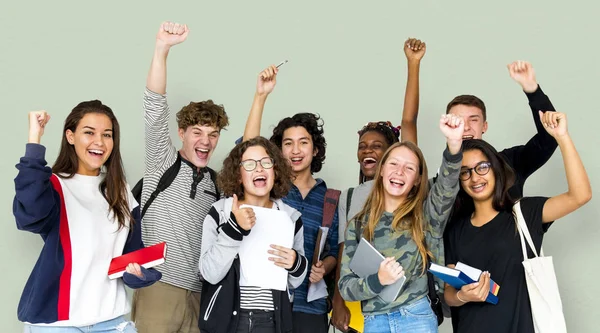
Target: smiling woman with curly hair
{"type": "Point", "coordinates": [254, 174]}
{"type": "Point", "coordinates": [229, 179]}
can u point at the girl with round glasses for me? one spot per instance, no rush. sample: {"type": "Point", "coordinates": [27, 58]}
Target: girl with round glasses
{"type": "Point", "coordinates": [255, 173]}
{"type": "Point", "coordinates": [483, 232]}
{"type": "Point", "coordinates": [250, 165]}
{"type": "Point", "coordinates": [481, 168]}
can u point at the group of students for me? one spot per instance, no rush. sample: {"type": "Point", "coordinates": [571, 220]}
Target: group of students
{"type": "Point", "coordinates": [85, 212]}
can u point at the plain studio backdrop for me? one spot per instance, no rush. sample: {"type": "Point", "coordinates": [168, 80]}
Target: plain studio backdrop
{"type": "Point", "coordinates": [345, 62]}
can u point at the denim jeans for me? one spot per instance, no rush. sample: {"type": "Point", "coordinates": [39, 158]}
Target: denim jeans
{"type": "Point", "coordinates": [416, 317]}
{"type": "Point", "coordinates": [117, 325]}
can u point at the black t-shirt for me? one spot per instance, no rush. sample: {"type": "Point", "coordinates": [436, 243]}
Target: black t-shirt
{"type": "Point", "coordinates": [496, 247]}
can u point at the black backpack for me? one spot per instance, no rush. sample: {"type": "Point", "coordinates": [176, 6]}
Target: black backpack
{"type": "Point", "coordinates": [165, 181]}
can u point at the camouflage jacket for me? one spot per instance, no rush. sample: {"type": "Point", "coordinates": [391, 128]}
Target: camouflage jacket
{"type": "Point", "coordinates": [399, 244]}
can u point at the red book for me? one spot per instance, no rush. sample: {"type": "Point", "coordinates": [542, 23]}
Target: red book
{"type": "Point", "coordinates": [147, 257]}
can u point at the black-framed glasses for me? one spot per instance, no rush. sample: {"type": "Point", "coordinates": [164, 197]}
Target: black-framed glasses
{"type": "Point", "coordinates": [482, 168]}
{"type": "Point", "coordinates": [250, 165]}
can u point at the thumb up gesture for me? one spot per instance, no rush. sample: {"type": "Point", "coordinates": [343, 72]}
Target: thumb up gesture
{"type": "Point", "coordinates": [244, 216]}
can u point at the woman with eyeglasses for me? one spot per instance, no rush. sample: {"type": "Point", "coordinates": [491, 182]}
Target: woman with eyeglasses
{"type": "Point", "coordinates": [483, 233]}
{"type": "Point", "coordinates": [255, 173]}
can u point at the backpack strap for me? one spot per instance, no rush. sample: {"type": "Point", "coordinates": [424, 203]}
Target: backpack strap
{"type": "Point", "coordinates": [137, 191]}
{"type": "Point", "coordinates": [329, 206]}
{"type": "Point", "coordinates": [213, 177]}
{"type": "Point", "coordinates": [165, 181]}
{"type": "Point", "coordinates": [348, 202]}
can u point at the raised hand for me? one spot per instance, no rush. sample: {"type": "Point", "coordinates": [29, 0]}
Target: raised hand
{"type": "Point", "coordinates": [285, 257]}
{"type": "Point", "coordinates": [244, 217]}
{"type": "Point", "coordinates": [267, 80]}
{"type": "Point", "coordinates": [171, 33]}
{"type": "Point", "coordinates": [475, 292]}
{"type": "Point", "coordinates": [135, 269]}
{"type": "Point", "coordinates": [389, 271]}
{"type": "Point", "coordinates": [523, 73]}
{"type": "Point", "coordinates": [414, 49]}
{"type": "Point", "coordinates": [37, 124]}
{"type": "Point", "coordinates": [453, 128]}
{"type": "Point", "coordinates": [555, 123]}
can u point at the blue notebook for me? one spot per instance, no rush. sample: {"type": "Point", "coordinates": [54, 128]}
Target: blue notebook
{"type": "Point", "coordinates": [461, 275]}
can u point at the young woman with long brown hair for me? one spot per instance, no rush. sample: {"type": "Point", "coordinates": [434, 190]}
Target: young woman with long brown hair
{"type": "Point", "coordinates": [84, 211]}
{"type": "Point", "coordinates": [483, 231]}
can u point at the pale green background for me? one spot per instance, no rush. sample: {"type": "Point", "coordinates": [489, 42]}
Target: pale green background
{"type": "Point", "coordinates": [346, 63]}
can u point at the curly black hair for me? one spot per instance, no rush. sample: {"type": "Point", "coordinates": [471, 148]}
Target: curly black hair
{"type": "Point", "coordinates": [385, 128]}
{"type": "Point", "coordinates": [314, 126]}
{"type": "Point", "coordinates": [229, 178]}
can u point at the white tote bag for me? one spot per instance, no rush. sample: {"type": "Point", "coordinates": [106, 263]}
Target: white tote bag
{"type": "Point", "coordinates": [546, 306]}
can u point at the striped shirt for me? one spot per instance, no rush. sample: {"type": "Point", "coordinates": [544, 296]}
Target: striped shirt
{"type": "Point", "coordinates": [174, 217]}
{"type": "Point", "coordinates": [311, 208]}
{"type": "Point", "coordinates": [255, 298]}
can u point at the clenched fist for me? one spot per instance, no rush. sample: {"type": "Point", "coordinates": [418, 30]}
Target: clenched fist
{"type": "Point", "coordinates": [171, 33]}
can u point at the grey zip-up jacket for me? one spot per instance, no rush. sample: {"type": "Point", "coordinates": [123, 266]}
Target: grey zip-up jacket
{"type": "Point", "coordinates": [222, 238]}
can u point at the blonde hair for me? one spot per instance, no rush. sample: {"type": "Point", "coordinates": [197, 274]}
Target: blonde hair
{"type": "Point", "coordinates": [410, 211]}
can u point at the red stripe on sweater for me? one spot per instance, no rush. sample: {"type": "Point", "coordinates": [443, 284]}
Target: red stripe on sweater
{"type": "Point", "coordinates": [64, 289]}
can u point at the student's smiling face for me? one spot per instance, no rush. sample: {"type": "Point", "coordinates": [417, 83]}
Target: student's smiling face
{"type": "Point", "coordinates": [371, 147]}
{"type": "Point", "coordinates": [400, 172]}
{"type": "Point", "coordinates": [199, 143]}
{"type": "Point", "coordinates": [476, 178]}
{"type": "Point", "coordinates": [93, 142]}
{"type": "Point", "coordinates": [259, 181]}
{"type": "Point", "coordinates": [298, 148]}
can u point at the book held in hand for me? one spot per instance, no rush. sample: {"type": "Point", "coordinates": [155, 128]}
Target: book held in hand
{"type": "Point", "coordinates": [146, 257]}
{"type": "Point", "coordinates": [318, 290]}
{"type": "Point", "coordinates": [366, 261]}
{"type": "Point", "coordinates": [464, 274]}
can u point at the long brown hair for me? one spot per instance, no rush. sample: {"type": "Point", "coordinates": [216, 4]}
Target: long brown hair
{"type": "Point", "coordinates": [114, 185]}
{"type": "Point", "coordinates": [409, 215]}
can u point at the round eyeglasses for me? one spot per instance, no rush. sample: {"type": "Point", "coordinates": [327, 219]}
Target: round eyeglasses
{"type": "Point", "coordinates": [482, 168]}
{"type": "Point", "coordinates": [250, 165]}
